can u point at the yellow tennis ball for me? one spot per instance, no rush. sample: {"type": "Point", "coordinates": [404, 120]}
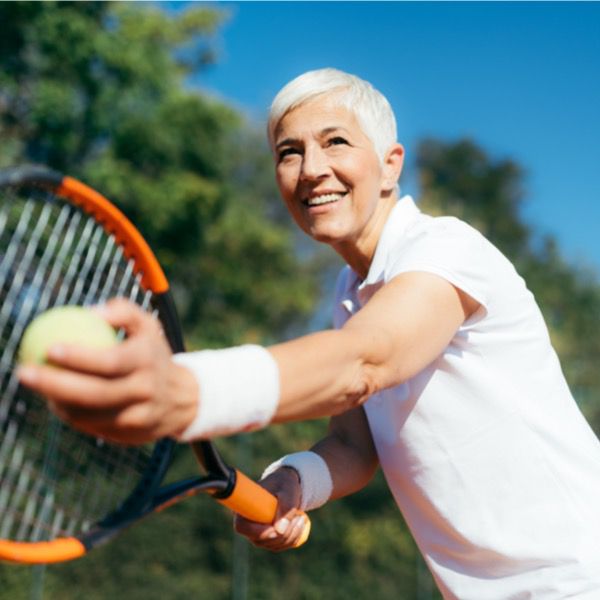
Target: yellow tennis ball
{"type": "Point", "coordinates": [64, 325]}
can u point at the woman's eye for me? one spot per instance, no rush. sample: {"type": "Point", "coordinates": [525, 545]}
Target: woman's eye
{"type": "Point", "coordinates": [287, 152]}
{"type": "Point", "coordinates": [337, 140]}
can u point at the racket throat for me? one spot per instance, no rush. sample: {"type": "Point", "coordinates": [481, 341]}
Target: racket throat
{"type": "Point", "coordinates": [229, 483]}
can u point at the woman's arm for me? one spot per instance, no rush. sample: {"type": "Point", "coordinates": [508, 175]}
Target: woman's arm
{"type": "Point", "coordinates": [136, 393]}
{"type": "Point", "coordinates": [349, 452]}
{"type": "Point", "coordinates": [350, 456]}
{"type": "Point", "coordinates": [401, 330]}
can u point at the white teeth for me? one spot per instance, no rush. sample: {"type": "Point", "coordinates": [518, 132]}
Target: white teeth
{"type": "Point", "coordinates": [324, 199]}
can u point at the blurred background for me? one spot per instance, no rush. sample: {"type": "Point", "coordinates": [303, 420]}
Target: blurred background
{"type": "Point", "coordinates": [162, 107]}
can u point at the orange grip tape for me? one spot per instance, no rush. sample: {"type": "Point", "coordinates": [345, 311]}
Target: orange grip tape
{"type": "Point", "coordinates": [35, 553]}
{"type": "Point", "coordinates": [254, 503]}
{"type": "Point", "coordinates": [133, 244]}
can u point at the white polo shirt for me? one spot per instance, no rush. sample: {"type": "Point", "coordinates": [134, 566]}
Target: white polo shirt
{"type": "Point", "coordinates": [493, 466]}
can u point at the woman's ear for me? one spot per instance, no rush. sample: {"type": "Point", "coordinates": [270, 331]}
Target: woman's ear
{"type": "Point", "coordinates": [392, 167]}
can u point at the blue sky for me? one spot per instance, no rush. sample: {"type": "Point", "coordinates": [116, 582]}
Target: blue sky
{"type": "Point", "coordinates": [521, 79]}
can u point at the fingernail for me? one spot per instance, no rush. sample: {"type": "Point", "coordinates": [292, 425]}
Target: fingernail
{"type": "Point", "coordinates": [271, 536]}
{"type": "Point", "coordinates": [27, 374]}
{"type": "Point", "coordinates": [298, 522]}
{"type": "Point", "coordinates": [56, 352]}
{"type": "Point", "coordinates": [282, 525]}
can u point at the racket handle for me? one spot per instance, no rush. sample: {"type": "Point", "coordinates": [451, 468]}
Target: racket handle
{"type": "Point", "coordinates": [254, 503]}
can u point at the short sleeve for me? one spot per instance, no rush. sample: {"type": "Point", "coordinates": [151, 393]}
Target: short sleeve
{"type": "Point", "coordinates": [450, 249]}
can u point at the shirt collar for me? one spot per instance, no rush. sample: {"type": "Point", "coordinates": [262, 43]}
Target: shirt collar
{"type": "Point", "coordinates": [402, 215]}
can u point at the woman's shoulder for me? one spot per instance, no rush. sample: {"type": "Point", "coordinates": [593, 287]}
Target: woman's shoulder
{"type": "Point", "coordinates": [439, 238]}
{"type": "Point", "coordinates": [443, 227]}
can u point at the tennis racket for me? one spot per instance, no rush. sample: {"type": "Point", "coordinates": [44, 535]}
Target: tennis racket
{"type": "Point", "coordinates": [62, 493]}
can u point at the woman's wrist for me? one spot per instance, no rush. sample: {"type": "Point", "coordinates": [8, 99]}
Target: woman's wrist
{"type": "Point", "coordinates": [238, 390]}
{"type": "Point", "coordinates": [316, 484]}
{"type": "Point", "coordinates": [184, 389]}
{"type": "Point", "coordinates": [292, 473]}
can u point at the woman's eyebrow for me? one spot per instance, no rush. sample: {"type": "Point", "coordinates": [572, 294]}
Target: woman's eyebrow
{"type": "Point", "coordinates": [286, 142]}
{"type": "Point", "coordinates": [289, 141]}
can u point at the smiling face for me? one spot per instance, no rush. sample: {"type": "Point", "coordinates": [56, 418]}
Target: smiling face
{"type": "Point", "coordinates": [330, 177]}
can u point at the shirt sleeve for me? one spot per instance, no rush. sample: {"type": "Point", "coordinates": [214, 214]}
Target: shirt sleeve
{"type": "Point", "coordinates": [451, 249]}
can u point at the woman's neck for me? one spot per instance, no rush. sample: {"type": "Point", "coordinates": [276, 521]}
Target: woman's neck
{"type": "Point", "coordinates": [358, 253]}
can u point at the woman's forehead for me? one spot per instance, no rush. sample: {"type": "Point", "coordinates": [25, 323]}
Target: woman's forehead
{"type": "Point", "coordinates": [316, 117]}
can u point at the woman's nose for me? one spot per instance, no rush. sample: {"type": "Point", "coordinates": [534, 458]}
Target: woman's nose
{"type": "Point", "coordinates": [314, 163]}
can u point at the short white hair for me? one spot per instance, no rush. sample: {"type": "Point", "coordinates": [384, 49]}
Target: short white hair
{"type": "Point", "coordinates": [370, 107]}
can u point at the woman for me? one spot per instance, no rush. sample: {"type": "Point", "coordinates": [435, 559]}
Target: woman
{"type": "Point", "coordinates": [439, 368]}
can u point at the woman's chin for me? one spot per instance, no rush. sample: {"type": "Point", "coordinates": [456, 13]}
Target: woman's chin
{"type": "Point", "coordinates": [328, 235]}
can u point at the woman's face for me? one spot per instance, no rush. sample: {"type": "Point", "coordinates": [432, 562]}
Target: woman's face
{"type": "Point", "coordinates": [328, 172]}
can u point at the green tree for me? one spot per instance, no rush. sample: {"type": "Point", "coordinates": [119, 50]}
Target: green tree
{"type": "Point", "coordinates": [98, 90]}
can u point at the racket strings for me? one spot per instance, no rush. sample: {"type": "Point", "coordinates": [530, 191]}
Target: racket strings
{"type": "Point", "coordinates": [54, 481]}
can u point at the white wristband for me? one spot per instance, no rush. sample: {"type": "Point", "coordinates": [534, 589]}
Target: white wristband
{"type": "Point", "coordinates": [314, 474]}
{"type": "Point", "coordinates": [239, 390]}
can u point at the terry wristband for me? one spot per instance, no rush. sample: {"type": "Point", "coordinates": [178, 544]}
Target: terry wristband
{"type": "Point", "coordinates": [314, 474]}
{"type": "Point", "coordinates": [239, 390]}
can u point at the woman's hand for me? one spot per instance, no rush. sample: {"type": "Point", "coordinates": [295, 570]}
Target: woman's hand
{"type": "Point", "coordinates": [287, 530]}
{"type": "Point", "coordinates": [132, 393]}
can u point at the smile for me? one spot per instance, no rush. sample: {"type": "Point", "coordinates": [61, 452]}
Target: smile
{"type": "Point", "coordinates": [323, 199]}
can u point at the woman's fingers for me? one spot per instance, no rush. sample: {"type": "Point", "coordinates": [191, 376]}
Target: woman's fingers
{"type": "Point", "coordinates": [131, 393]}
{"type": "Point", "coordinates": [252, 530]}
{"type": "Point", "coordinates": [67, 387]}
{"type": "Point", "coordinates": [286, 533]}
{"type": "Point", "coordinates": [105, 378]}
{"type": "Point", "coordinates": [124, 314]}
{"type": "Point", "coordinates": [139, 349]}
{"type": "Point", "coordinates": [290, 530]}
{"type": "Point", "coordinates": [106, 362]}
{"type": "Point", "coordinates": [125, 408]}
{"type": "Point", "coordinates": [133, 353]}
{"type": "Point", "coordinates": [287, 530]}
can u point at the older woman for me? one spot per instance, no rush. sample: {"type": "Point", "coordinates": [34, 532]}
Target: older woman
{"type": "Point", "coordinates": [439, 368]}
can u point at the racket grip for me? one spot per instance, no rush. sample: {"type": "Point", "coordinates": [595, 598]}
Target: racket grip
{"type": "Point", "coordinates": [254, 503]}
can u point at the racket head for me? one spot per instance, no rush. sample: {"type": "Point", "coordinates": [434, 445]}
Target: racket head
{"type": "Point", "coordinates": [63, 492]}
{"type": "Point", "coordinates": [63, 243]}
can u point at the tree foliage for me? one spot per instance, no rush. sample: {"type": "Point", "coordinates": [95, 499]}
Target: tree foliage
{"type": "Point", "coordinates": [98, 90]}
